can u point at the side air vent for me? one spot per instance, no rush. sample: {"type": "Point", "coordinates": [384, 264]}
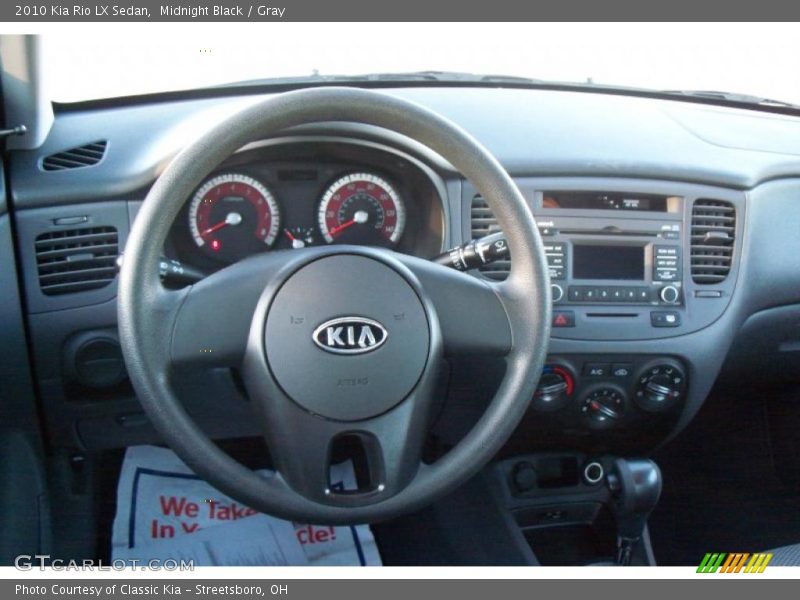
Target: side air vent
{"type": "Point", "coordinates": [483, 222]}
{"type": "Point", "coordinates": [713, 233]}
{"type": "Point", "coordinates": [76, 158]}
{"type": "Point", "coordinates": [76, 260]}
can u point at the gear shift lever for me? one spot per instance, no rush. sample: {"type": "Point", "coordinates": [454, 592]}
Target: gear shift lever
{"type": "Point", "coordinates": [635, 488]}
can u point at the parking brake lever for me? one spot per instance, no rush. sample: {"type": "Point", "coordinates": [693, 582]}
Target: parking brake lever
{"type": "Point", "coordinates": [476, 253]}
{"type": "Point", "coordinates": [635, 487]}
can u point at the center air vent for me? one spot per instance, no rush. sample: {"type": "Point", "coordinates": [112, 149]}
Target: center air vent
{"type": "Point", "coordinates": [76, 260]}
{"type": "Point", "coordinates": [483, 222]}
{"type": "Point", "coordinates": [75, 158]}
{"type": "Point", "coordinates": [713, 234]}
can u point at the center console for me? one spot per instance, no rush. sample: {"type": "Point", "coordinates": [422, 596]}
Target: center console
{"type": "Point", "coordinates": [577, 509]}
{"type": "Point", "coordinates": [641, 275]}
{"type": "Point", "coordinates": [636, 268]}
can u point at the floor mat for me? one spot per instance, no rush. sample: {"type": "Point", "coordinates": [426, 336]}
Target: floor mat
{"type": "Point", "coordinates": [721, 491]}
{"type": "Point", "coordinates": [165, 511]}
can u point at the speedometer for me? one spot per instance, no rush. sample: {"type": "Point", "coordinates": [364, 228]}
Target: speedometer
{"type": "Point", "coordinates": [232, 216]}
{"type": "Point", "coordinates": [361, 208]}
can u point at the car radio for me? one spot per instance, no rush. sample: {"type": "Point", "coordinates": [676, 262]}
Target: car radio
{"type": "Point", "coordinates": [623, 264]}
{"type": "Point", "coordinates": [612, 249]}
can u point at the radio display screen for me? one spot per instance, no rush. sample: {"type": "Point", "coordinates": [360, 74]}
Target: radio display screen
{"type": "Point", "coordinates": [609, 201]}
{"type": "Point", "coordinates": [607, 262]}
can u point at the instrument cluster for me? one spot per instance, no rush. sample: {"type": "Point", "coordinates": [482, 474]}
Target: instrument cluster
{"type": "Point", "coordinates": [308, 195]}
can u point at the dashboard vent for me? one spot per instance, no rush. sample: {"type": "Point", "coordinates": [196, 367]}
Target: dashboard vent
{"type": "Point", "coordinates": [713, 233]}
{"type": "Point", "coordinates": [76, 260]}
{"type": "Point", "coordinates": [75, 158]}
{"type": "Point", "coordinates": [483, 222]}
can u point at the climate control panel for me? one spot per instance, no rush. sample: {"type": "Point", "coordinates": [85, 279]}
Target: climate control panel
{"type": "Point", "coordinates": [610, 394]}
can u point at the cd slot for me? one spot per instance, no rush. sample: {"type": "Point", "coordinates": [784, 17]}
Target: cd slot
{"type": "Point", "coordinates": [613, 315]}
{"type": "Point", "coordinates": [609, 231]}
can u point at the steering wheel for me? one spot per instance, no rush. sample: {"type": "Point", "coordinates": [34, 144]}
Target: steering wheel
{"type": "Point", "coordinates": [335, 342]}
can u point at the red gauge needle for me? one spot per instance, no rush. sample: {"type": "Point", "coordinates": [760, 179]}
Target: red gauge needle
{"type": "Point", "coordinates": [232, 219]}
{"type": "Point", "coordinates": [339, 228]}
{"type": "Point", "coordinates": [360, 216]}
{"type": "Point", "coordinates": [297, 243]}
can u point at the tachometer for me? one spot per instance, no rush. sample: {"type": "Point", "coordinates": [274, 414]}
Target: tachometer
{"type": "Point", "coordinates": [232, 216]}
{"type": "Point", "coordinates": [361, 208]}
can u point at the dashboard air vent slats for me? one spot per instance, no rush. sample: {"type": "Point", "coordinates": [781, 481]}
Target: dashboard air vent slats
{"type": "Point", "coordinates": [712, 237]}
{"type": "Point", "coordinates": [76, 260]}
{"type": "Point", "coordinates": [75, 158]}
{"type": "Point", "coordinates": [483, 222]}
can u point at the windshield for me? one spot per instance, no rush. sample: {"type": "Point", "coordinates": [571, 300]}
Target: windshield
{"type": "Point", "coordinates": [752, 59]}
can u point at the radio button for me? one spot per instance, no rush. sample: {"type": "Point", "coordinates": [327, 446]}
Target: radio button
{"type": "Point", "coordinates": [630, 294]}
{"type": "Point", "coordinates": [667, 262]}
{"type": "Point", "coordinates": [603, 294]}
{"type": "Point", "coordinates": [617, 294]}
{"type": "Point", "coordinates": [665, 318]}
{"type": "Point", "coordinates": [590, 295]}
{"type": "Point", "coordinates": [575, 294]}
{"type": "Point", "coordinates": [666, 274]}
{"type": "Point", "coordinates": [643, 294]}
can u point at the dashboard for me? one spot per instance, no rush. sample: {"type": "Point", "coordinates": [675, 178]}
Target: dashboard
{"type": "Point", "coordinates": [670, 231]}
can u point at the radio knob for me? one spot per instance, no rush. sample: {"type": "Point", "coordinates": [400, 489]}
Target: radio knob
{"type": "Point", "coordinates": [557, 292]}
{"type": "Point", "coordinates": [670, 294]}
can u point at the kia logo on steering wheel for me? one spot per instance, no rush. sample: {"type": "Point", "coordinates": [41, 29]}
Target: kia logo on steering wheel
{"type": "Point", "coordinates": [350, 335]}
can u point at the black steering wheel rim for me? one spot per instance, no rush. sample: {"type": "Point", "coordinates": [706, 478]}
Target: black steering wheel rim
{"type": "Point", "coordinates": [147, 312]}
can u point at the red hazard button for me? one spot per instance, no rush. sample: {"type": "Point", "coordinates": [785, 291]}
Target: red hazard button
{"type": "Point", "coordinates": [563, 318]}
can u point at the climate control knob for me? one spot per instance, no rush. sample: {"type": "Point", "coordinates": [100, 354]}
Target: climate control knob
{"type": "Point", "coordinates": [554, 389]}
{"type": "Point", "coordinates": [660, 387]}
{"type": "Point", "coordinates": [603, 408]}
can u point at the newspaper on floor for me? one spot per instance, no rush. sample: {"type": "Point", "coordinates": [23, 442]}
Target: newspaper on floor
{"type": "Point", "coordinates": [165, 511]}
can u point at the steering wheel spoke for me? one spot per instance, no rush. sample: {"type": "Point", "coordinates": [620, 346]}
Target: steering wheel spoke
{"type": "Point", "coordinates": [386, 450]}
{"type": "Point", "coordinates": [212, 322]}
{"type": "Point", "coordinates": [471, 311]}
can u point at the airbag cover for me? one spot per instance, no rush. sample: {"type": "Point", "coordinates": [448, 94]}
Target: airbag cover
{"type": "Point", "coordinates": [351, 372]}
